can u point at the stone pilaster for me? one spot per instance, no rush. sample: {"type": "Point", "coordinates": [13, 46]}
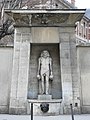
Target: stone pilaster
{"type": "Point", "coordinates": [19, 83]}
{"type": "Point", "coordinates": [75, 76]}
{"type": "Point", "coordinates": [68, 67]}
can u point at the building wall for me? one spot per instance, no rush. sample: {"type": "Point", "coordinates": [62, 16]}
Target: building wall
{"type": "Point", "coordinates": [75, 86]}
{"type": "Point", "coordinates": [83, 54]}
{"type": "Point", "coordinates": [83, 29]}
{"type": "Point", "coordinates": [6, 55]}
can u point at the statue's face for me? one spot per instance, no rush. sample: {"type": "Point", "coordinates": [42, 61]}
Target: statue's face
{"type": "Point", "coordinates": [45, 54]}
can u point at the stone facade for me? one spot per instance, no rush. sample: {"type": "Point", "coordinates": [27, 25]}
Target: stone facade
{"type": "Point", "coordinates": [59, 39]}
{"type": "Point", "coordinates": [53, 30]}
{"type": "Point", "coordinates": [28, 44]}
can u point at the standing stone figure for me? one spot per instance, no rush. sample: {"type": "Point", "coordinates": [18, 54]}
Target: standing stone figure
{"type": "Point", "coordinates": [45, 71]}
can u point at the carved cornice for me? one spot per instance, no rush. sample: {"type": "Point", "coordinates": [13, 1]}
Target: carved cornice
{"type": "Point", "coordinates": [40, 19]}
{"type": "Point", "coordinates": [49, 19]}
{"type": "Point", "coordinates": [21, 19]}
{"type": "Point", "coordinates": [46, 17]}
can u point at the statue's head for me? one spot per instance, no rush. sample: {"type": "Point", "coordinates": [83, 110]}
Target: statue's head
{"type": "Point", "coordinates": [45, 53]}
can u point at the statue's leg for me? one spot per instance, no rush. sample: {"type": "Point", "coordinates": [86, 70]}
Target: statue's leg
{"type": "Point", "coordinates": [42, 80]}
{"type": "Point", "coordinates": [47, 85]}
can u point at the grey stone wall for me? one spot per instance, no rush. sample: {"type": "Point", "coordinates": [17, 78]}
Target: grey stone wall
{"type": "Point", "coordinates": [55, 85]}
{"type": "Point", "coordinates": [6, 59]}
{"type": "Point", "coordinates": [19, 82]}
{"type": "Point", "coordinates": [68, 60]}
{"type": "Point", "coordinates": [83, 59]}
{"type": "Point", "coordinates": [45, 35]}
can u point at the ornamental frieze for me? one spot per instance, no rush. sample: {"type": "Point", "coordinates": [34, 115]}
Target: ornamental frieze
{"type": "Point", "coordinates": [40, 19]}
{"type": "Point", "coordinates": [49, 19]}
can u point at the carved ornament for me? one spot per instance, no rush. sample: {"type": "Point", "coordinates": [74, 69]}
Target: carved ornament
{"type": "Point", "coordinates": [49, 18]}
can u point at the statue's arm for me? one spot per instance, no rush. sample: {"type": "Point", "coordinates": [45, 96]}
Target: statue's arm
{"type": "Point", "coordinates": [38, 72]}
{"type": "Point", "coordinates": [51, 73]}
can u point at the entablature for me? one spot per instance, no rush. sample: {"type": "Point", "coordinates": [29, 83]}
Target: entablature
{"type": "Point", "coordinates": [46, 17]}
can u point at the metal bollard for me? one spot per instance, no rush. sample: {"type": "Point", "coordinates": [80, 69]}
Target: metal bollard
{"type": "Point", "coordinates": [31, 111]}
{"type": "Point", "coordinates": [72, 112]}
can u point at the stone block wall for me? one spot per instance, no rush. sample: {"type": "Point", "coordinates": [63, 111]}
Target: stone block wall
{"type": "Point", "coordinates": [28, 44]}
{"type": "Point", "coordinates": [83, 59]}
{"type": "Point", "coordinates": [18, 95]}
{"type": "Point", "coordinates": [69, 76]}
{"type": "Point", "coordinates": [6, 60]}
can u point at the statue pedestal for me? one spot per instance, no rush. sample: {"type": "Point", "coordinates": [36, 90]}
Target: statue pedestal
{"type": "Point", "coordinates": [55, 106]}
{"type": "Point", "coordinates": [44, 97]}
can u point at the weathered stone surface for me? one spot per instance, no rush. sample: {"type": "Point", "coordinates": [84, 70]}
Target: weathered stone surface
{"type": "Point", "coordinates": [55, 107]}
{"type": "Point", "coordinates": [44, 97]}
{"type": "Point", "coordinates": [69, 76]}
{"type": "Point", "coordinates": [45, 35]}
{"type": "Point", "coordinates": [6, 59]}
{"type": "Point", "coordinates": [83, 54]}
{"type": "Point", "coordinates": [20, 70]}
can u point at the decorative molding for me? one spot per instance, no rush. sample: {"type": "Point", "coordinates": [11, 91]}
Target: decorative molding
{"type": "Point", "coordinates": [49, 19]}
{"type": "Point", "coordinates": [21, 19]}
{"type": "Point", "coordinates": [40, 19]}
{"type": "Point", "coordinates": [46, 17]}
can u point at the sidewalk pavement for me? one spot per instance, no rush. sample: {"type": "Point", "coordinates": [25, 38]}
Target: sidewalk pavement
{"type": "Point", "coordinates": [59, 117]}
